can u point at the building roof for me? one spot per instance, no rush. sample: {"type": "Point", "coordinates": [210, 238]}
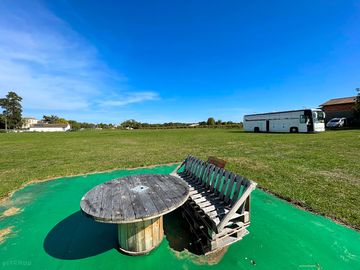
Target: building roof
{"type": "Point", "coordinates": [49, 125]}
{"type": "Point", "coordinates": [336, 101]}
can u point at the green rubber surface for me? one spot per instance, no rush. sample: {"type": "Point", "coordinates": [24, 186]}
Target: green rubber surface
{"type": "Point", "coordinates": [49, 232]}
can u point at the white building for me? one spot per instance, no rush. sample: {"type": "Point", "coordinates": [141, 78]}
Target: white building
{"type": "Point", "coordinates": [50, 127]}
{"type": "Point", "coordinates": [28, 122]}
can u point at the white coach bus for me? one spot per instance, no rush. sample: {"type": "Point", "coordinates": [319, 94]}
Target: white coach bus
{"type": "Point", "coordinates": [307, 120]}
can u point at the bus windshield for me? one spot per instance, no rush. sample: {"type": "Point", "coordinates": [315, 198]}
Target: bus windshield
{"type": "Point", "coordinates": [319, 116]}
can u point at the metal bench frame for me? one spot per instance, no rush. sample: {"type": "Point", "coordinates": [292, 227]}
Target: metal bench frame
{"type": "Point", "coordinates": [218, 208]}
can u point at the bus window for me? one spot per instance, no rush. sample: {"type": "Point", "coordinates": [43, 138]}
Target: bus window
{"type": "Point", "coordinates": [319, 117]}
{"type": "Point", "coordinates": [302, 119]}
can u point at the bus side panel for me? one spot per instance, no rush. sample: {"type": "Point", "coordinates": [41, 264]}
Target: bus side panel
{"type": "Point", "coordinates": [251, 125]}
{"type": "Point", "coordinates": [247, 125]}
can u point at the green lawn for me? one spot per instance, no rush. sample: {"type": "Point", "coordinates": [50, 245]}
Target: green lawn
{"type": "Point", "coordinates": [318, 171]}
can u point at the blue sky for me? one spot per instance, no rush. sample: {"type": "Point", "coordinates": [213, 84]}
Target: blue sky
{"type": "Point", "coordinates": [162, 61]}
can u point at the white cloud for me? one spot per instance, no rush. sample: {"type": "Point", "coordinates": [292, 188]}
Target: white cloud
{"type": "Point", "coordinates": [51, 66]}
{"type": "Point", "coordinates": [130, 98]}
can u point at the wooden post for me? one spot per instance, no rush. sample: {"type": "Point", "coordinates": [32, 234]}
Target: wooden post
{"type": "Point", "coordinates": [140, 237]}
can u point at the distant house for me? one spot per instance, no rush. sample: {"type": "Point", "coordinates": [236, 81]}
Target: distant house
{"type": "Point", "coordinates": [339, 107]}
{"type": "Point", "coordinates": [50, 127]}
{"type": "Point", "coordinates": [28, 122]}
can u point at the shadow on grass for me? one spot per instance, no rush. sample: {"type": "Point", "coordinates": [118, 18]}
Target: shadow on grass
{"type": "Point", "coordinates": [78, 237]}
{"type": "Point", "coordinates": [237, 131]}
{"type": "Point", "coordinates": [264, 133]}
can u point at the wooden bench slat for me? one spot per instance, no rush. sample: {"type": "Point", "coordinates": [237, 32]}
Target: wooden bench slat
{"type": "Point", "coordinates": [223, 184]}
{"type": "Point", "coordinates": [202, 171]}
{"type": "Point", "coordinates": [218, 199]}
{"type": "Point", "coordinates": [188, 163]}
{"type": "Point", "coordinates": [239, 183]}
{"type": "Point", "coordinates": [207, 175]}
{"type": "Point", "coordinates": [230, 187]}
{"type": "Point", "coordinates": [193, 166]}
{"type": "Point", "coordinates": [219, 179]}
{"type": "Point", "coordinates": [213, 178]}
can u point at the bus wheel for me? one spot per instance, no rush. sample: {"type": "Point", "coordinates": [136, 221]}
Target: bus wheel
{"type": "Point", "coordinates": [294, 130]}
{"type": "Point", "coordinates": [256, 129]}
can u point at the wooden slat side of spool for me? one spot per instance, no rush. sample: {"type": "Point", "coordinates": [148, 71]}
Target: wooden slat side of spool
{"type": "Point", "coordinates": [140, 237]}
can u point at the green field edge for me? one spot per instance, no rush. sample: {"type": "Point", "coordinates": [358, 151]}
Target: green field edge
{"type": "Point", "coordinates": [7, 196]}
{"type": "Point", "coordinates": [295, 203]}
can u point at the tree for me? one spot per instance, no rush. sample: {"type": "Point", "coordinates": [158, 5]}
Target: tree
{"type": "Point", "coordinates": [74, 125]}
{"type": "Point", "coordinates": [12, 110]}
{"type": "Point", "coordinates": [357, 105]}
{"type": "Point", "coordinates": [50, 119]}
{"type": "Point", "coordinates": [211, 121]}
{"type": "Point", "coordinates": [53, 119]}
{"type": "Point", "coordinates": [131, 124]}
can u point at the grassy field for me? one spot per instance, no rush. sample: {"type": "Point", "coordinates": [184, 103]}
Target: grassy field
{"type": "Point", "coordinates": [318, 171]}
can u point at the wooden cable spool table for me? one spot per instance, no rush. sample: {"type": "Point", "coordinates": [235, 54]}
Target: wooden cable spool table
{"type": "Point", "coordinates": [137, 204]}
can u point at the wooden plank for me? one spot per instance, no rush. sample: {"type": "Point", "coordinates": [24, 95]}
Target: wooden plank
{"type": "Point", "coordinates": [194, 166]}
{"type": "Point", "coordinates": [215, 205]}
{"type": "Point", "coordinates": [188, 164]}
{"type": "Point", "coordinates": [116, 209]}
{"type": "Point", "coordinates": [239, 185]}
{"type": "Point", "coordinates": [203, 173]}
{"type": "Point", "coordinates": [208, 175]}
{"type": "Point", "coordinates": [214, 178]}
{"type": "Point", "coordinates": [222, 185]}
{"type": "Point", "coordinates": [202, 197]}
{"type": "Point", "coordinates": [125, 207]}
{"type": "Point", "coordinates": [131, 236]}
{"type": "Point", "coordinates": [142, 203]}
{"type": "Point", "coordinates": [170, 193]}
{"type": "Point", "coordinates": [215, 202]}
{"type": "Point", "coordinates": [191, 165]}
{"type": "Point", "coordinates": [197, 169]}
{"type": "Point", "coordinates": [176, 190]}
{"type": "Point", "coordinates": [91, 202]}
{"type": "Point", "coordinates": [236, 206]}
{"type": "Point", "coordinates": [219, 179]}
{"type": "Point", "coordinates": [229, 231]}
{"type": "Point", "coordinates": [226, 241]}
{"type": "Point", "coordinates": [222, 213]}
{"type": "Point", "coordinates": [217, 161]}
{"type": "Point", "coordinates": [230, 188]}
{"type": "Point", "coordinates": [242, 207]}
{"type": "Point", "coordinates": [156, 194]}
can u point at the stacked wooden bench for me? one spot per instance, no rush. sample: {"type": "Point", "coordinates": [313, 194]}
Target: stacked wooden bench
{"type": "Point", "coordinates": [218, 208]}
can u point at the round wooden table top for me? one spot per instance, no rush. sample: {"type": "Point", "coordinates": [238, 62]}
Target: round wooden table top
{"type": "Point", "coordinates": [134, 198]}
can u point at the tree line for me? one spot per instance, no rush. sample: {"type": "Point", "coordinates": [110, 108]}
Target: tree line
{"type": "Point", "coordinates": [11, 118]}
{"type": "Point", "coordinates": [211, 122]}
